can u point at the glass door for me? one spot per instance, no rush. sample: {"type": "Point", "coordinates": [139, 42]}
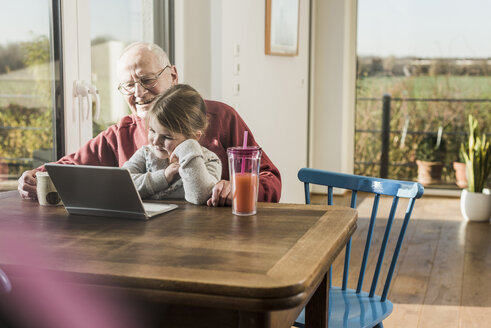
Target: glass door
{"type": "Point", "coordinates": [28, 78]}
{"type": "Point", "coordinates": [71, 47]}
{"type": "Point", "coordinates": [416, 86]}
{"type": "Point", "coordinates": [129, 21]}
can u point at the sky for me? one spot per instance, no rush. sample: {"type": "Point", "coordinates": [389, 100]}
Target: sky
{"type": "Point", "coordinates": [423, 28]}
{"type": "Point", "coordinates": [21, 19]}
{"type": "Point", "coordinates": [122, 24]}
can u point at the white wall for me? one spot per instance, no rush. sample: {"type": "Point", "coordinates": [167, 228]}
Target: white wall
{"type": "Point", "coordinates": [193, 43]}
{"type": "Point", "coordinates": [273, 97]}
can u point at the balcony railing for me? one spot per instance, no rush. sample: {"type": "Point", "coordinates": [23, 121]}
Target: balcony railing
{"type": "Point", "coordinates": [385, 131]}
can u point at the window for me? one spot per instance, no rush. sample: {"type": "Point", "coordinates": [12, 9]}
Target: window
{"type": "Point", "coordinates": [40, 125]}
{"type": "Point", "coordinates": [130, 21]}
{"type": "Point", "coordinates": [432, 61]}
{"type": "Point", "coordinates": [28, 77]}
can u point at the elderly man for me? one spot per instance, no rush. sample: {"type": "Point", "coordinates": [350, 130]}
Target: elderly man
{"type": "Point", "coordinates": [145, 72]}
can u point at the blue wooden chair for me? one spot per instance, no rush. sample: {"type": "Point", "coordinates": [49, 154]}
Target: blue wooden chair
{"type": "Point", "coordinates": [357, 308]}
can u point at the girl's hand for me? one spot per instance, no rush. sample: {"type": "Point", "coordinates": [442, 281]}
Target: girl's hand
{"type": "Point", "coordinates": [173, 158]}
{"type": "Point", "coordinates": [172, 170]}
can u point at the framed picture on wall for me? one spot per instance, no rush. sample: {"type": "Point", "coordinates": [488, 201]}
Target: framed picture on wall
{"type": "Point", "coordinates": [282, 19]}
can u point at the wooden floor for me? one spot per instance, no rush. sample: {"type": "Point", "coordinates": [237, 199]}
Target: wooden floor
{"type": "Point", "coordinates": [443, 276]}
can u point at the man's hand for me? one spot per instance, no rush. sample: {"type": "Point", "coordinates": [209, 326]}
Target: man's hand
{"type": "Point", "coordinates": [221, 195]}
{"type": "Point", "coordinates": [27, 185]}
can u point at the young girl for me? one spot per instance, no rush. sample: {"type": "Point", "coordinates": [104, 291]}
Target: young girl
{"type": "Point", "coordinates": [173, 164]}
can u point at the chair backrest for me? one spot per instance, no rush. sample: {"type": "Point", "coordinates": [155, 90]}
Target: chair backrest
{"type": "Point", "coordinates": [376, 186]}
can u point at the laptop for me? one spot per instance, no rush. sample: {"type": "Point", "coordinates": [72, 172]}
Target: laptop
{"type": "Point", "coordinates": [101, 191]}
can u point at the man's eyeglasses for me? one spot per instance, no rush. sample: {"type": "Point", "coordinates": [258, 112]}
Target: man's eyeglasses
{"type": "Point", "coordinates": [148, 82]}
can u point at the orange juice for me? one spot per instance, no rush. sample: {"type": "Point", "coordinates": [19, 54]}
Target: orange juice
{"type": "Point", "coordinates": [244, 165]}
{"type": "Point", "coordinates": [244, 198]}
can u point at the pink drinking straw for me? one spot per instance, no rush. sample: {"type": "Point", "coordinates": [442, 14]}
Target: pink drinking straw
{"type": "Point", "coordinates": [244, 145]}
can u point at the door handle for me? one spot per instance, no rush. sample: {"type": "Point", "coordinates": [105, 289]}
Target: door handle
{"type": "Point", "coordinates": [80, 92]}
{"type": "Point", "coordinates": [84, 90]}
{"type": "Point", "coordinates": [93, 91]}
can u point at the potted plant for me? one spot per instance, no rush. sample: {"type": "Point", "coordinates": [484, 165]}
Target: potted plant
{"type": "Point", "coordinates": [460, 171]}
{"type": "Point", "coordinates": [429, 158]}
{"type": "Point", "coordinates": [475, 201]}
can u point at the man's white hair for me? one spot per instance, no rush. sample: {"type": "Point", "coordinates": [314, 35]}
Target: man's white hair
{"type": "Point", "coordinates": [155, 49]}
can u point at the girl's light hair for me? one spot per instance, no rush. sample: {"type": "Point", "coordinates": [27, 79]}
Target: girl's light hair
{"type": "Point", "coordinates": [155, 49]}
{"type": "Point", "coordinates": [180, 110]}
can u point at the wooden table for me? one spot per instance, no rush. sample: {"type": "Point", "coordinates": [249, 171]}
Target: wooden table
{"type": "Point", "coordinates": [196, 266]}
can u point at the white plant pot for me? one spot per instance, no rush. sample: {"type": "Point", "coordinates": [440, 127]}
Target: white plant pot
{"type": "Point", "coordinates": [476, 206]}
